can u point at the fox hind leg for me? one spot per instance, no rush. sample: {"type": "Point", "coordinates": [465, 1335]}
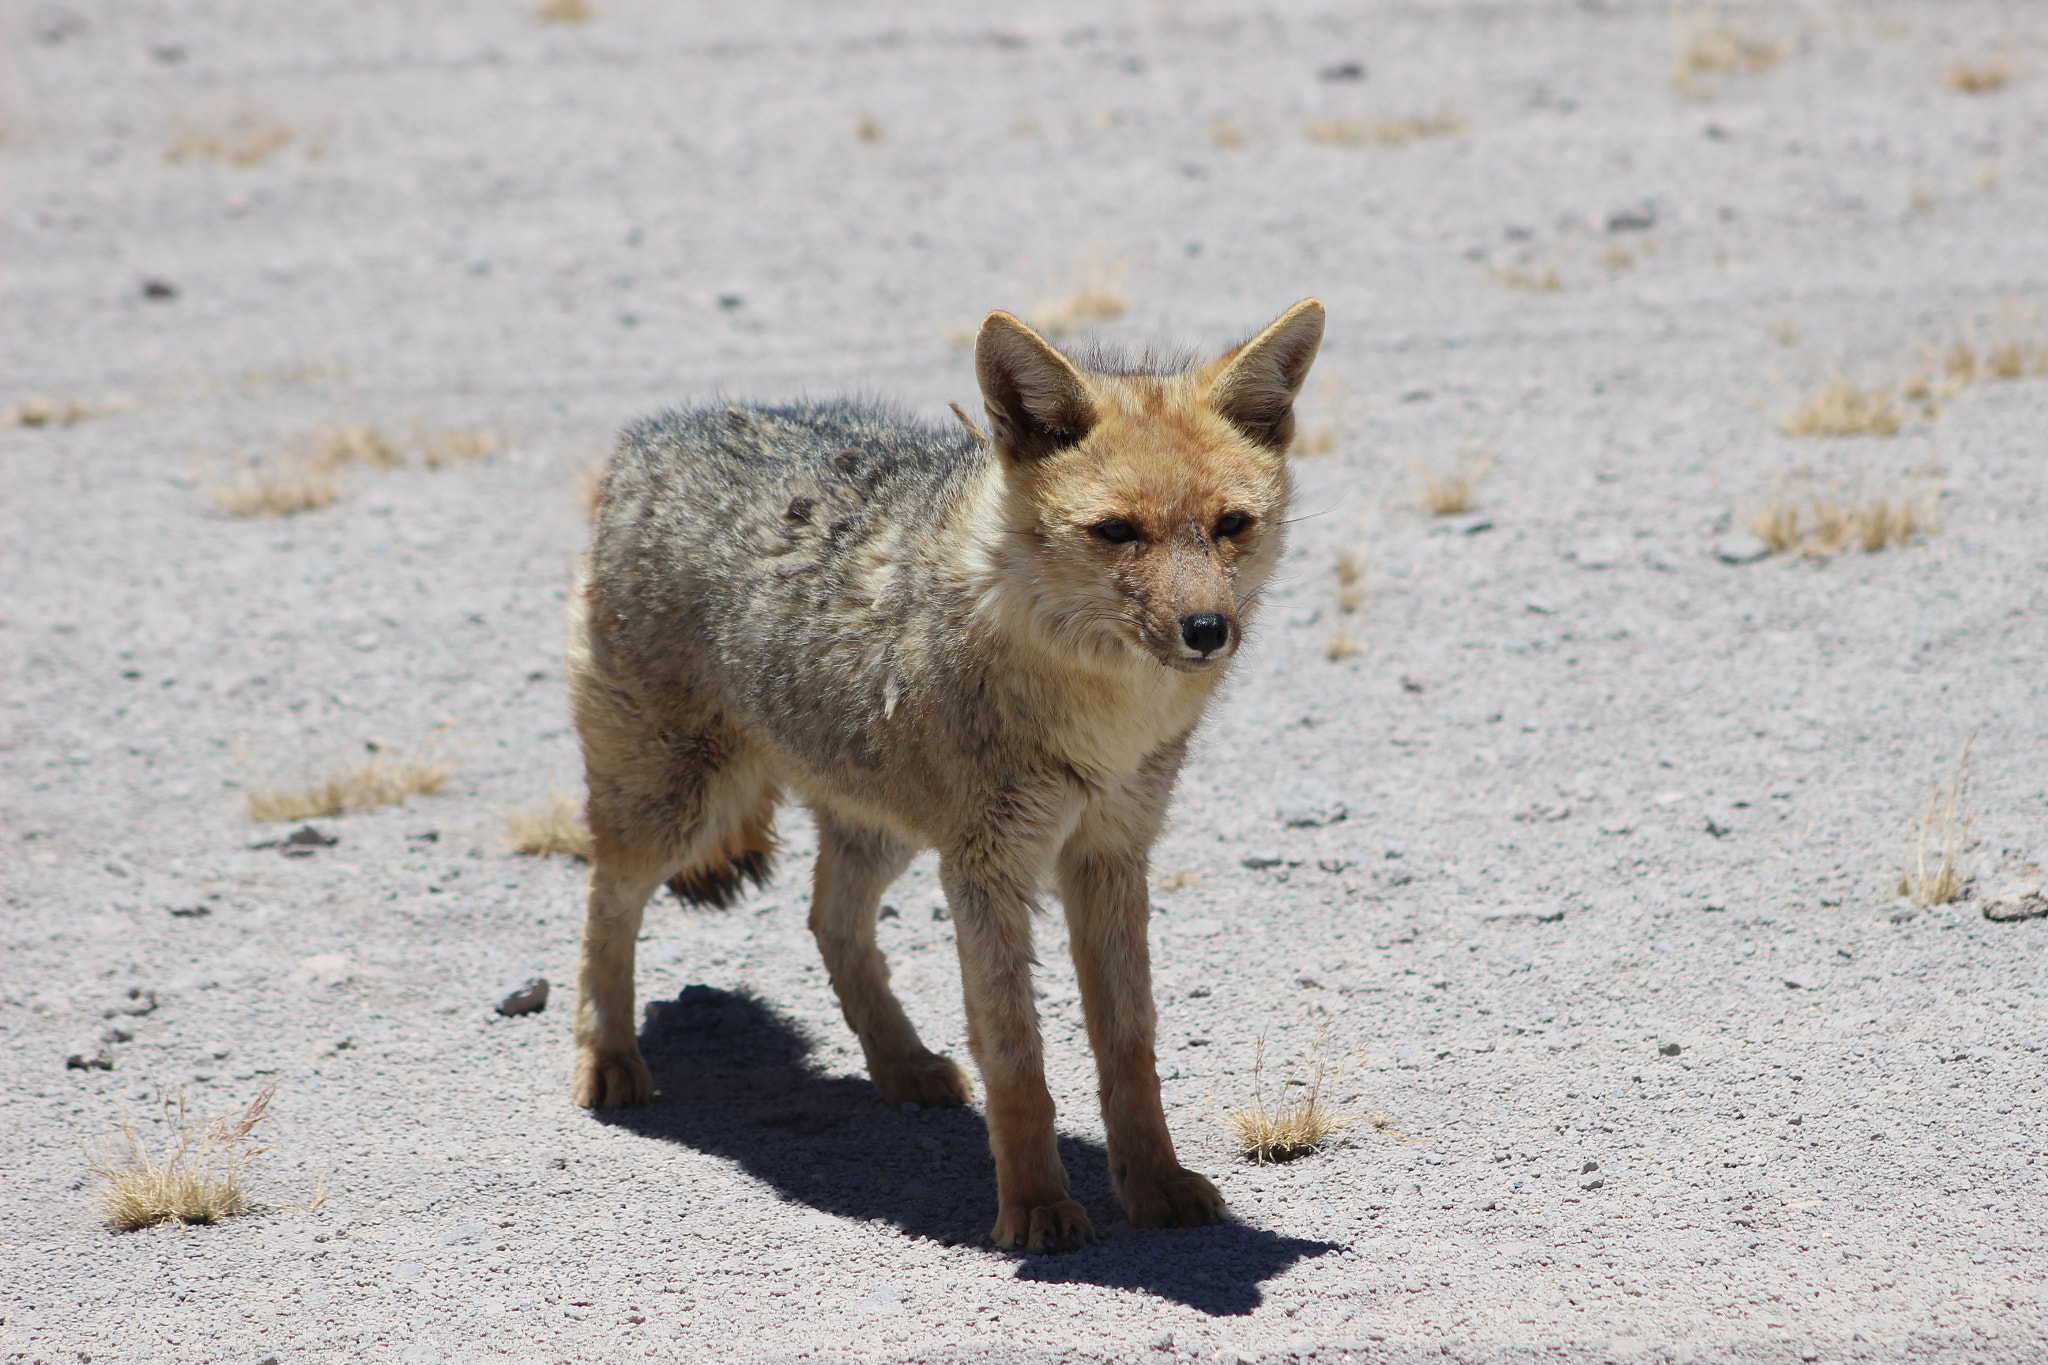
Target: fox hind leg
{"type": "Point", "coordinates": [694, 810]}
{"type": "Point", "coordinates": [855, 866]}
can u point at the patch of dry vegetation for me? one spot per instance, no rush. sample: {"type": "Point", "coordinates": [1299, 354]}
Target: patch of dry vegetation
{"type": "Point", "coordinates": [38, 411]}
{"type": "Point", "coordinates": [275, 490]}
{"type": "Point", "coordinates": [203, 1178]}
{"type": "Point", "coordinates": [1946, 824]}
{"type": "Point", "coordinates": [309, 476]}
{"type": "Point", "coordinates": [244, 140]}
{"type": "Point", "coordinates": [1093, 295]}
{"type": "Point", "coordinates": [1295, 1128]}
{"type": "Point", "coordinates": [1802, 519]}
{"type": "Point", "coordinates": [1529, 279]}
{"type": "Point", "coordinates": [1373, 132]}
{"type": "Point", "coordinates": [1227, 135]}
{"type": "Point", "coordinates": [1452, 493]}
{"type": "Point", "coordinates": [1843, 409]}
{"type": "Point", "coordinates": [563, 11]}
{"type": "Point", "coordinates": [1982, 77]}
{"type": "Point", "coordinates": [1709, 46]}
{"type": "Point", "coordinates": [1352, 586]}
{"type": "Point", "coordinates": [381, 781]}
{"type": "Point", "coordinates": [557, 831]}
{"type": "Point", "coordinates": [1097, 295]}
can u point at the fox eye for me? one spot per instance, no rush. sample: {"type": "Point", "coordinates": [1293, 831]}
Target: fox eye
{"type": "Point", "coordinates": [1230, 523]}
{"type": "Point", "coordinates": [1116, 531]}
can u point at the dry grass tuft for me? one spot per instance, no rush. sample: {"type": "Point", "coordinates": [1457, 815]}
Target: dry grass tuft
{"type": "Point", "coordinates": [1450, 494]}
{"type": "Point", "coordinates": [1372, 132]}
{"type": "Point", "coordinates": [1947, 823]}
{"type": "Point", "coordinates": [439, 449]}
{"type": "Point", "coordinates": [1341, 647]}
{"type": "Point", "coordinates": [558, 831]}
{"type": "Point", "coordinates": [1294, 1129]}
{"type": "Point", "coordinates": [1097, 296]}
{"type": "Point", "coordinates": [1843, 409]}
{"type": "Point", "coordinates": [246, 140]}
{"type": "Point", "coordinates": [1227, 135]}
{"type": "Point", "coordinates": [869, 129]}
{"type": "Point", "coordinates": [1529, 279]}
{"type": "Point", "coordinates": [563, 11]}
{"type": "Point", "coordinates": [61, 412]}
{"type": "Point", "coordinates": [382, 781]}
{"type": "Point", "coordinates": [202, 1180]}
{"type": "Point", "coordinates": [1981, 78]}
{"type": "Point", "coordinates": [350, 443]}
{"type": "Point", "coordinates": [1710, 46]}
{"type": "Point", "coordinates": [296, 485]}
{"type": "Point", "coordinates": [1828, 524]}
{"type": "Point", "coordinates": [1352, 586]}
{"type": "Point", "coordinates": [1176, 881]}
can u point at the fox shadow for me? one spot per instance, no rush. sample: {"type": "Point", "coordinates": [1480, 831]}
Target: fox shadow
{"type": "Point", "coordinates": [736, 1081]}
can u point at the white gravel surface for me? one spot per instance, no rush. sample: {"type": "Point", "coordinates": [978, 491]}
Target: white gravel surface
{"type": "Point", "coordinates": [1651, 1093]}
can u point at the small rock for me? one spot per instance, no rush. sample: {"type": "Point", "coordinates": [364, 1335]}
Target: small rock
{"type": "Point", "coordinates": [1805, 978]}
{"type": "Point", "coordinates": [464, 1232]}
{"type": "Point", "coordinates": [1471, 524]}
{"type": "Point", "coordinates": [190, 911]}
{"type": "Point", "coordinates": [1667, 1048]}
{"type": "Point", "coordinates": [91, 1056]}
{"type": "Point", "coordinates": [941, 913]}
{"type": "Point", "coordinates": [1592, 1182]}
{"type": "Point", "coordinates": [1589, 1167]}
{"type": "Point", "coordinates": [159, 290]}
{"type": "Point", "coordinates": [1904, 911]}
{"type": "Point", "coordinates": [888, 912]}
{"type": "Point", "coordinates": [53, 24]}
{"type": "Point", "coordinates": [1263, 858]}
{"type": "Point", "coordinates": [139, 1000]}
{"type": "Point", "coordinates": [1740, 547]}
{"type": "Point", "coordinates": [1636, 218]}
{"type": "Point", "coordinates": [1411, 683]}
{"type": "Point", "coordinates": [531, 998]}
{"type": "Point", "coordinates": [1313, 816]}
{"type": "Point", "coordinates": [2016, 901]}
{"type": "Point", "coordinates": [1395, 849]}
{"type": "Point", "coordinates": [1348, 70]}
{"type": "Point", "coordinates": [1720, 823]}
{"type": "Point", "coordinates": [1662, 558]}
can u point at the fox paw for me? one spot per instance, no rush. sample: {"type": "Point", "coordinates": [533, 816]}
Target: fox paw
{"type": "Point", "coordinates": [611, 1080]}
{"type": "Point", "coordinates": [927, 1079]}
{"type": "Point", "coordinates": [1174, 1199]}
{"type": "Point", "coordinates": [1044, 1229]}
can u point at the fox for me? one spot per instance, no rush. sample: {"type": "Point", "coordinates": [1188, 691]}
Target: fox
{"type": "Point", "coordinates": [992, 642]}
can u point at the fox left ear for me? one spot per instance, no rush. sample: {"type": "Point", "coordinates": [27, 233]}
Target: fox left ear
{"type": "Point", "coordinates": [1254, 386]}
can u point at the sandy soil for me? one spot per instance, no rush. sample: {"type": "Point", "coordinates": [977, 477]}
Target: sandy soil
{"type": "Point", "coordinates": [1607, 932]}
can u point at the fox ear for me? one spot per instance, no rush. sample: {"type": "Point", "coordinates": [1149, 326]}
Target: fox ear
{"type": "Point", "coordinates": [1254, 386]}
{"type": "Point", "coordinates": [1037, 401]}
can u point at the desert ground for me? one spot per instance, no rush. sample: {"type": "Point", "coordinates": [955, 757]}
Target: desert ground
{"type": "Point", "coordinates": [1557, 842]}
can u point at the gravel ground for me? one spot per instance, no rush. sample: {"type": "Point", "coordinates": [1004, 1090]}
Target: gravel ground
{"type": "Point", "coordinates": [1581, 867]}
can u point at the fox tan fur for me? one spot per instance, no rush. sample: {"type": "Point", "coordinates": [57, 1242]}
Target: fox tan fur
{"type": "Point", "coordinates": [992, 645]}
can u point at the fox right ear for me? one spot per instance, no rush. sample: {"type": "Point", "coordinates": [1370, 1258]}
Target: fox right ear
{"type": "Point", "coordinates": [1037, 401]}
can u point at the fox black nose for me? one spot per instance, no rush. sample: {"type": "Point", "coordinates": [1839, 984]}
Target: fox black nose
{"type": "Point", "coordinates": [1205, 632]}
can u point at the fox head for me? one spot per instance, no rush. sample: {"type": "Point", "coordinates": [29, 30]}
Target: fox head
{"type": "Point", "coordinates": [1151, 506]}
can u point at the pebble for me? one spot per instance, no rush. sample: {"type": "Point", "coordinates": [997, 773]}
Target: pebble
{"type": "Point", "coordinates": [90, 1056]}
{"type": "Point", "coordinates": [531, 998]}
{"type": "Point", "coordinates": [1740, 548]}
{"type": "Point", "coordinates": [1805, 978]}
{"type": "Point", "coordinates": [1667, 1048]}
{"type": "Point", "coordinates": [1305, 816]}
{"type": "Point", "coordinates": [1469, 525]}
{"type": "Point", "coordinates": [1263, 858]}
{"type": "Point", "coordinates": [2016, 901]}
{"type": "Point", "coordinates": [1720, 823]}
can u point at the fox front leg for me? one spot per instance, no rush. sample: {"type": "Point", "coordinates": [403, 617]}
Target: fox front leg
{"type": "Point", "coordinates": [1107, 914]}
{"type": "Point", "coordinates": [992, 923]}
